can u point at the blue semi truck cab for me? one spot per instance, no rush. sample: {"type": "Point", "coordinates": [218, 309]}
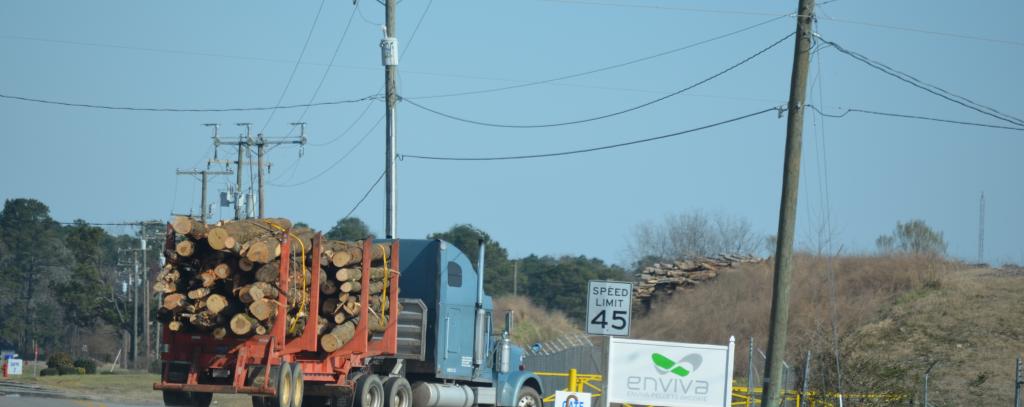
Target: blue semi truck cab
{"type": "Point", "coordinates": [448, 348]}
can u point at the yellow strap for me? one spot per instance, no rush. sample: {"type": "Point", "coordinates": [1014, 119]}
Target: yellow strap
{"type": "Point", "coordinates": [303, 300]}
{"type": "Point", "coordinates": [384, 292]}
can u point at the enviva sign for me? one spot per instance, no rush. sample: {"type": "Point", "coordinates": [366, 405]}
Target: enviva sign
{"type": "Point", "coordinates": [669, 373]}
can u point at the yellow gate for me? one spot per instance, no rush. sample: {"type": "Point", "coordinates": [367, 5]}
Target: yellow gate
{"type": "Point", "coordinates": [741, 395]}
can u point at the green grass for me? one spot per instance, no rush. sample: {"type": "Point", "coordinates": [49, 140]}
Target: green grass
{"type": "Point", "coordinates": [112, 387]}
{"type": "Point", "coordinates": [135, 388]}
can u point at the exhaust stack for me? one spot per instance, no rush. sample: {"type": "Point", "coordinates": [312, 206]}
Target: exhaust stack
{"type": "Point", "coordinates": [480, 331]}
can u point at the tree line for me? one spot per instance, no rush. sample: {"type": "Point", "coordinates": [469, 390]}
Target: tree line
{"type": "Point", "coordinates": [60, 281]}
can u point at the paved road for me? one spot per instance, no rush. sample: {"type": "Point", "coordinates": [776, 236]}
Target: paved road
{"type": "Point", "coordinates": [23, 401]}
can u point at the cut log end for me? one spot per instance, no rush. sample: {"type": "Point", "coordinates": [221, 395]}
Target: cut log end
{"type": "Point", "coordinates": [243, 324]}
{"type": "Point", "coordinates": [216, 303]}
{"type": "Point", "coordinates": [185, 248]}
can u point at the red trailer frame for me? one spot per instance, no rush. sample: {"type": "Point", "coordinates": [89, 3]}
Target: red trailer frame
{"type": "Point", "coordinates": [234, 358]}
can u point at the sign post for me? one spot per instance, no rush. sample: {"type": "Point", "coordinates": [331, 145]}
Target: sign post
{"type": "Point", "coordinates": [608, 307]}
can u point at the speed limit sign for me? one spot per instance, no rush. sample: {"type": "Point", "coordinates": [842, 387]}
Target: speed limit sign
{"type": "Point", "coordinates": [608, 307]}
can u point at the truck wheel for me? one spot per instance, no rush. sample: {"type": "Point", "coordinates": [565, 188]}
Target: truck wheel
{"type": "Point", "coordinates": [314, 401]}
{"type": "Point", "coordinates": [370, 392]}
{"type": "Point", "coordinates": [298, 385]}
{"type": "Point", "coordinates": [397, 392]}
{"type": "Point", "coordinates": [175, 398]}
{"type": "Point", "coordinates": [200, 399]}
{"type": "Point", "coordinates": [283, 385]}
{"type": "Point", "coordinates": [528, 397]}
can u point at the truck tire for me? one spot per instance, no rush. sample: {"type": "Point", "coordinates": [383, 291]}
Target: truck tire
{"type": "Point", "coordinates": [187, 399]}
{"type": "Point", "coordinates": [397, 392]}
{"type": "Point", "coordinates": [369, 392]}
{"type": "Point", "coordinates": [174, 398]}
{"type": "Point", "coordinates": [283, 384]}
{"type": "Point", "coordinates": [200, 399]}
{"type": "Point", "coordinates": [528, 397]}
{"type": "Point", "coordinates": [298, 385]}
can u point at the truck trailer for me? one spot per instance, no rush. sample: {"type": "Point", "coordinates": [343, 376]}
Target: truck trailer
{"type": "Point", "coordinates": [439, 347]}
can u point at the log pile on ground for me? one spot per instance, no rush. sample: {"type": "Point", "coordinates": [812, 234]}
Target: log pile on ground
{"type": "Point", "coordinates": [660, 280]}
{"type": "Point", "coordinates": [224, 279]}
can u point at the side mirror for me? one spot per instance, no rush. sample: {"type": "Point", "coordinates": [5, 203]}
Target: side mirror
{"type": "Point", "coordinates": [508, 322]}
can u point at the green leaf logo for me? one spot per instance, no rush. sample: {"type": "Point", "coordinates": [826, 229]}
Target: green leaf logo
{"type": "Point", "coordinates": [664, 364]}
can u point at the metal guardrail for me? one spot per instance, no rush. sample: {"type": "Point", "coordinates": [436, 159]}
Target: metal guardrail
{"type": "Point", "coordinates": [742, 396]}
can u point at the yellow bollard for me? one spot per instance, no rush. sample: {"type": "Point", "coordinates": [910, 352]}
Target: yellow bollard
{"type": "Point", "coordinates": [572, 380]}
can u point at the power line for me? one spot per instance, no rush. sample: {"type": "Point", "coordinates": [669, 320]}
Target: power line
{"type": "Point", "coordinates": [602, 69]}
{"type": "Point", "coordinates": [295, 68]}
{"type": "Point", "coordinates": [338, 161]}
{"type": "Point", "coordinates": [933, 89]}
{"type": "Point", "coordinates": [592, 149]}
{"type": "Point", "coordinates": [910, 116]}
{"type": "Point", "coordinates": [372, 187]}
{"type": "Point", "coordinates": [136, 223]}
{"type": "Point", "coordinates": [349, 128]}
{"type": "Point", "coordinates": [323, 78]}
{"type": "Point", "coordinates": [408, 43]}
{"type": "Point", "coordinates": [922, 31]}
{"type": "Point", "coordinates": [604, 116]}
{"type": "Point", "coordinates": [656, 7]}
{"type": "Point", "coordinates": [145, 49]}
{"type": "Point", "coordinates": [363, 17]}
{"type": "Point", "coordinates": [838, 20]}
{"type": "Point", "coordinates": [186, 109]}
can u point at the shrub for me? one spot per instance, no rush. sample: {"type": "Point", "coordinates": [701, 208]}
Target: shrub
{"type": "Point", "coordinates": [67, 370]}
{"type": "Point", "coordinates": [50, 371]}
{"type": "Point", "coordinates": [59, 360]}
{"type": "Point", "coordinates": [914, 237]}
{"type": "Point", "coordinates": [79, 370]}
{"type": "Point", "coordinates": [88, 365]}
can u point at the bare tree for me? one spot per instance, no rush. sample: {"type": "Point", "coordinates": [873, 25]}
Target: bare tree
{"type": "Point", "coordinates": [914, 237]}
{"type": "Point", "coordinates": [693, 234]}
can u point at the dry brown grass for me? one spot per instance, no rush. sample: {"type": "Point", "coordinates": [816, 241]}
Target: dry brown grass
{"type": "Point", "coordinates": [739, 301]}
{"type": "Point", "coordinates": [532, 323]}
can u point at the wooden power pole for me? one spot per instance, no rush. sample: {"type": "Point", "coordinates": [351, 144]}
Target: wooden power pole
{"type": "Point", "coordinates": [787, 210]}
{"type": "Point", "coordinates": [204, 178]}
{"type": "Point", "coordinates": [389, 56]}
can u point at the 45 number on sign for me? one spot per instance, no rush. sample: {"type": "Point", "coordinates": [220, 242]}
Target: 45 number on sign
{"type": "Point", "coordinates": [618, 318]}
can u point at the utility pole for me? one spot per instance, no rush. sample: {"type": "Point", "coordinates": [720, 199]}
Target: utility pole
{"type": "Point", "coordinates": [750, 371]}
{"type": "Point", "coordinates": [1018, 382]}
{"type": "Point", "coordinates": [389, 54]}
{"type": "Point", "coordinates": [238, 165]}
{"type": "Point", "coordinates": [787, 210]}
{"type": "Point", "coordinates": [143, 236]}
{"type": "Point", "coordinates": [927, 373]}
{"type": "Point", "coordinates": [806, 380]}
{"type": "Point", "coordinates": [244, 143]}
{"type": "Point", "coordinates": [259, 168]}
{"type": "Point", "coordinates": [261, 143]}
{"type": "Point", "coordinates": [135, 310]}
{"type": "Point", "coordinates": [981, 229]}
{"type": "Point", "coordinates": [515, 278]}
{"type": "Point", "coordinates": [204, 179]}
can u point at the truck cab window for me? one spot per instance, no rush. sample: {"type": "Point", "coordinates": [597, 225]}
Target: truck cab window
{"type": "Point", "coordinates": [454, 274]}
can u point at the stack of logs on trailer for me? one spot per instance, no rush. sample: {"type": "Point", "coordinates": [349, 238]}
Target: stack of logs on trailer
{"type": "Point", "coordinates": [225, 279]}
{"type": "Point", "coordinates": [660, 280]}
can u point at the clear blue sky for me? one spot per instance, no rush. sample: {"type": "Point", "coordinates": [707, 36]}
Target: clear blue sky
{"type": "Point", "coordinates": [103, 165]}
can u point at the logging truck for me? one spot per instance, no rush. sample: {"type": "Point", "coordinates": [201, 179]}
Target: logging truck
{"type": "Point", "coordinates": [376, 323]}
